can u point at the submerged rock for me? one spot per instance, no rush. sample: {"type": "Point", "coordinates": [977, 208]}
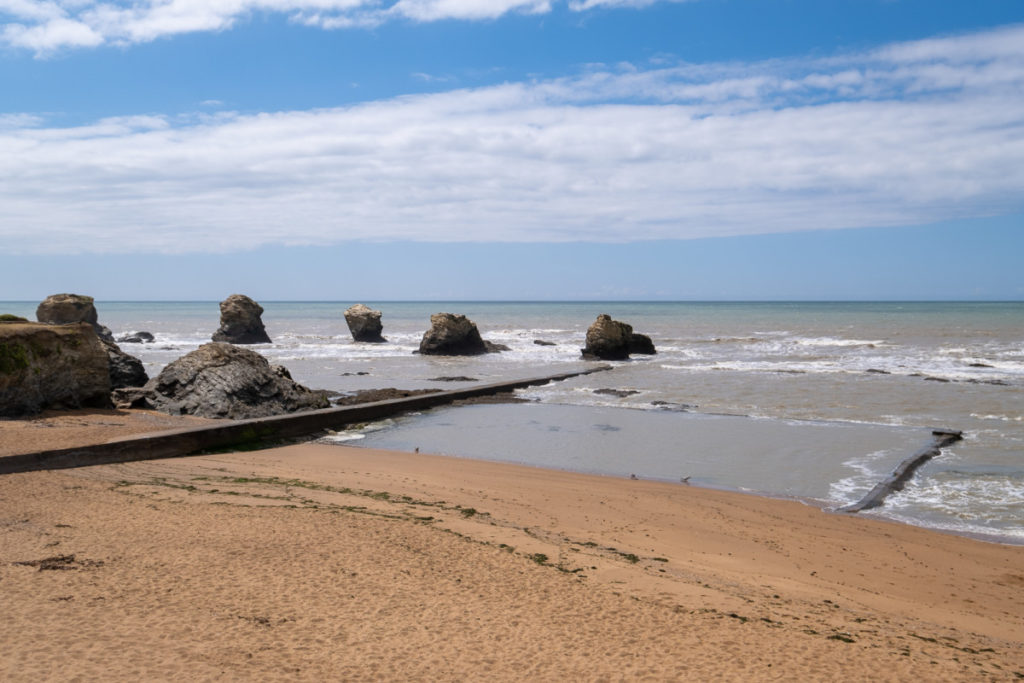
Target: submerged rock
{"type": "Point", "coordinates": [642, 344]}
{"type": "Point", "coordinates": [223, 381]}
{"type": "Point", "coordinates": [364, 324]}
{"type": "Point", "coordinates": [240, 322]}
{"type": "Point", "coordinates": [43, 366]}
{"type": "Point", "coordinates": [451, 334]}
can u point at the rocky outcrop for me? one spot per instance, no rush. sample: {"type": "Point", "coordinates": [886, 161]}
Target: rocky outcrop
{"type": "Point", "coordinates": [364, 324]}
{"type": "Point", "coordinates": [451, 334]}
{"type": "Point", "coordinates": [240, 322]}
{"type": "Point", "coordinates": [125, 370]}
{"type": "Point", "coordinates": [66, 309]}
{"type": "Point", "coordinates": [42, 366]}
{"type": "Point", "coordinates": [223, 381]}
{"type": "Point", "coordinates": [136, 338]}
{"type": "Point", "coordinates": [609, 339]}
{"type": "Point", "coordinates": [11, 318]}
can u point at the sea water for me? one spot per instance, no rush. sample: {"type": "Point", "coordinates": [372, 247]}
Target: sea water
{"type": "Point", "coordinates": [902, 367]}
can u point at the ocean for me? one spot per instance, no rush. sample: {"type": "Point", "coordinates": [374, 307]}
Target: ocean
{"type": "Point", "coordinates": [816, 401]}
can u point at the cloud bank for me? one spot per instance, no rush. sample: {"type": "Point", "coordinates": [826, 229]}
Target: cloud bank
{"type": "Point", "coordinates": [48, 25]}
{"type": "Point", "coordinates": [908, 134]}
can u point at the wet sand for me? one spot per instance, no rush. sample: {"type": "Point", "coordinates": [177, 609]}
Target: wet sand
{"type": "Point", "coordinates": [322, 562]}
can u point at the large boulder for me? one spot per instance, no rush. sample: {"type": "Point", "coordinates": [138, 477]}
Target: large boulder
{"type": "Point", "coordinates": [364, 324]}
{"type": "Point", "coordinates": [240, 322]}
{"type": "Point", "coordinates": [223, 381]}
{"type": "Point", "coordinates": [66, 309]}
{"type": "Point", "coordinates": [451, 334]}
{"type": "Point", "coordinates": [42, 366]}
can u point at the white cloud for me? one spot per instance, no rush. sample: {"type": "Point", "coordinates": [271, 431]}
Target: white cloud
{"type": "Point", "coordinates": [897, 136]}
{"type": "Point", "coordinates": [48, 25]}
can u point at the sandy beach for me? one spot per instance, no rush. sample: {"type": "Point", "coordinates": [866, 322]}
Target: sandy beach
{"type": "Point", "coordinates": [322, 562]}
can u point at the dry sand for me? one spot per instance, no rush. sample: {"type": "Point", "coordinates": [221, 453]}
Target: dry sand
{"type": "Point", "coordinates": [318, 562]}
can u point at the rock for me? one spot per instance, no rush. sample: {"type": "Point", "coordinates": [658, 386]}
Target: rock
{"type": "Point", "coordinates": [11, 318]}
{"type": "Point", "coordinates": [453, 378]}
{"type": "Point", "coordinates": [608, 339]}
{"type": "Point", "coordinates": [677, 407]}
{"type": "Point", "coordinates": [364, 324]}
{"type": "Point", "coordinates": [541, 342]}
{"type": "Point", "coordinates": [65, 309]}
{"type": "Point", "coordinates": [42, 366]}
{"type": "Point", "coordinates": [642, 344]}
{"type": "Point", "coordinates": [136, 338]}
{"type": "Point", "coordinates": [451, 334]}
{"type": "Point", "coordinates": [621, 393]}
{"type": "Point", "coordinates": [125, 370]}
{"type": "Point", "coordinates": [222, 381]}
{"type": "Point", "coordinates": [240, 322]}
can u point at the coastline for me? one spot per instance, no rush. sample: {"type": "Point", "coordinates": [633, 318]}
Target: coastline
{"type": "Point", "coordinates": [314, 560]}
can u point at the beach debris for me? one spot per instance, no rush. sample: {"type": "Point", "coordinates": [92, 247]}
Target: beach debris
{"type": "Point", "coordinates": [241, 322]}
{"type": "Point", "coordinates": [46, 366]}
{"type": "Point", "coordinates": [364, 324]}
{"type": "Point", "coordinates": [451, 334]}
{"type": "Point", "coordinates": [219, 380]}
{"type": "Point", "coordinates": [634, 477]}
{"type": "Point", "coordinates": [65, 309]}
{"type": "Point", "coordinates": [684, 480]}
{"type": "Point", "coordinates": [136, 338]}
{"type": "Point", "coordinates": [609, 339]}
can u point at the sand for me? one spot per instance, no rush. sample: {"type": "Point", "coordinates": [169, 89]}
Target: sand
{"type": "Point", "coordinates": [314, 562]}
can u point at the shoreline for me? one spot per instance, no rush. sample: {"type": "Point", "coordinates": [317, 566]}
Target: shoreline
{"type": "Point", "coordinates": [451, 568]}
{"type": "Point", "coordinates": [55, 429]}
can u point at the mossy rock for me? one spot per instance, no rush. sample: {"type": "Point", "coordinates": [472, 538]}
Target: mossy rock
{"type": "Point", "coordinates": [11, 318]}
{"type": "Point", "coordinates": [14, 357]}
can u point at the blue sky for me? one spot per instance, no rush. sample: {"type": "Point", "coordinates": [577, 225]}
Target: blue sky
{"type": "Point", "coordinates": [512, 149]}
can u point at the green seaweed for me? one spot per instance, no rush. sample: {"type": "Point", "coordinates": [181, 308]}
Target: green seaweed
{"type": "Point", "coordinates": [13, 358]}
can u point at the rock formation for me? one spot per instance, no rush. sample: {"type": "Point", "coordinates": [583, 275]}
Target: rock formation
{"type": "Point", "coordinates": [125, 370]}
{"type": "Point", "coordinates": [240, 322]}
{"type": "Point", "coordinates": [364, 324]}
{"type": "Point", "coordinates": [136, 338]}
{"type": "Point", "coordinates": [451, 334]}
{"type": "Point", "coordinates": [223, 381]}
{"type": "Point", "coordinates": [43, 366]}
{"type": "Point", "coordinates": [65, 309]}
{"type": "Point", "coordinates": [642, 344]}
{"type": "Point", "coordinates": [609, 339]}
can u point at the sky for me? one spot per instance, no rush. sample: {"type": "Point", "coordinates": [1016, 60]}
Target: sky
{"type": "Point", "coordinates": [512, 149]}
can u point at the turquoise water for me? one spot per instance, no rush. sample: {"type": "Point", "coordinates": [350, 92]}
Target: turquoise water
{"type": "Point", "coordinates": [919, 365]}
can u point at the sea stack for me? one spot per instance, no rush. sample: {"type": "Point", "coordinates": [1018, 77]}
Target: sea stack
{"type": "Point", "coordinates": [451, 334]}
{"type": "Point", "coordinates": [364, 324]}
{"type": "Point", "coordinates": [609, 339]}
{"type": "Point", "coordinates": [66, 309]}
{"type": "Point", "coordinates": [240, 322]}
